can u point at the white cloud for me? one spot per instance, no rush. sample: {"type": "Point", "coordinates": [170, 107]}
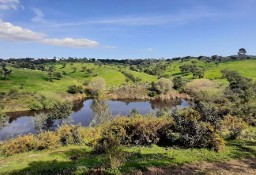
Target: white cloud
{"type": "Point", "coordinates": [39, 15]}
{"type": "Point", "coordinates": [15, 33]}
{"type": "Point", "coordinates": [11, 32]}
{"type": "Point", "coordinates": [71, 42]}
{"type": "Point", "coordinates": [9, 4]}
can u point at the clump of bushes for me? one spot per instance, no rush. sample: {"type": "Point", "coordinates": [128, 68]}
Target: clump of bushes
{"type": "Point", "coordinates": [179, 82]}
{"type": "Point", "coordinates": [233, 126]}
{"type": "Point", "coordinates": [162, 86]}
{"type": "Point", "coordinates": [195, 133]}
{"type": "Point", "coordinates": [67, 134]}
{"type": "Point", "coordinates": [74, 89]}
{"type": "Point", "coordinates": [96, 86]}
{"type": "Point", "coordinates": [137, 130]}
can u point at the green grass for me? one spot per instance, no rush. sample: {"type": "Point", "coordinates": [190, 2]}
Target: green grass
{"type": "Point", "coordinates": [37, 81]}
{"type": "Point", "coordinates": [244, 67]}
{"type": "Point", "coordinates": [137, 158]}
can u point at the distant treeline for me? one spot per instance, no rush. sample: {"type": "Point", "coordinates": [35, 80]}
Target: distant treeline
{"type": "Point", "coordinates": [122, 61]}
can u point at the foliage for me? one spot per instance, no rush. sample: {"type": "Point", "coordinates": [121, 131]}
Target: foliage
{"type": "Point", "coordinates": [101, 112]}
{"type": "Point", "coordinates": [61, 110]}
{"type": "Point", "coordinates": [178, 82]}
{"type": "Point", "coordinates": [162, 86]}
{"type": "Point", "coordinates": [67, 134]}
{"type": "Point", "coordinates": [74, 89]}
{"type": "Point", "coordinates": [4, 71]}
{"type": "Point", "coordinates": [131, 77]}
{"type": "Point", "coordinates": [234, 126]}
{"type": "Point", "coordinates": [194, 132]}
{"type": "Point", "coordinates": [137, 130]}
{"type": "Point", "coordinates": [19, 145]}
{"type": "Point", "coordinates": [97, 85]}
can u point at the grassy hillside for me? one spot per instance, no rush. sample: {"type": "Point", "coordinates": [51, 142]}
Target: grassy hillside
{"type": "Point", "coordinates": [246, 68]}
{"type": "Point", "coordinates": [37, 81]}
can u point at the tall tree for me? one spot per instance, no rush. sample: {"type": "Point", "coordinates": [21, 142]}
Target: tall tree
{"type": "Point", "coordinates": [241, 52]}
{"type": "Point", "coordinates": [4, 71]}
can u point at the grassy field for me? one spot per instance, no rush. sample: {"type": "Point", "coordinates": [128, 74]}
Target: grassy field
{"type": "Point", "coordinates": [61, 160]}
{"type": "Point", "coordinates": [246, 68]}
{"type": "Point", "coordinates": [37, 81]}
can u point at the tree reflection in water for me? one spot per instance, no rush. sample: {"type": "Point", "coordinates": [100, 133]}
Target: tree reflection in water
{"type": "Point", "coordinates": [101, 112]}
{"type": "Point", "coordinates": [3, 121]}
{"type": "Point", "coordinates": [60, 115]}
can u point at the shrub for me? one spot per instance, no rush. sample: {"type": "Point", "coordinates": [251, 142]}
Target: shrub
{"type": "Point", "coordinates": [137, 130]}
{"type": "Point", "coordinates": [19, 145]}
{"type": "Point", "coordinates": [97, 85]}
{"type": "Point", "coordinates": [234, 126]}
{"type": "Point", "coordinates": [178, 82]}
{"type": "Point", "coordinates": [48, 140]}
{"type": "Point", "coordinates": [74, 89]}
{"type": "Point", "coordinates": [162, 86]}
{"type": "Point", "coordinates": [193, 132]}
{"type": "Point", "coordinates": [70, 134]}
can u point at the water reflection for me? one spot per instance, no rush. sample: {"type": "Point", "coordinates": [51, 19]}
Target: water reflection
{"type": "Point", "coordinates": [101, 112]}
{"type": "Point", "coordinates": [86, 113]}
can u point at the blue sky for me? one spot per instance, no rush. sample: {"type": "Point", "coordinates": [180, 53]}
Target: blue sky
{"type": "Point", "coordinates": [126, 28]}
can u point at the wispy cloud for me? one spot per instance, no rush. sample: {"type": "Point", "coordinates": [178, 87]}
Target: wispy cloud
{"type": "Point", "coordinates": [9, 4]}
{"type": "Point", "coordinates": [179, 18]}
{"type": "Point", "coordinates": [15, 33]}
{"type": "Point", "coordinates": [39, 15]}
{"type": "Point", "coordinates": [109, 47]}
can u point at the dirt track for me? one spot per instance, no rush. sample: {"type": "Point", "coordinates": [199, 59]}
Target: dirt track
{"type": "Point", "coordinates": [233, 167]}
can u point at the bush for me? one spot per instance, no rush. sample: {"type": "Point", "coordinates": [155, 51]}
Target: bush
{"type": "Point", "coordinates": [68, 134]}
{"type": "Point", "coordinates": [137, 130]}
{"type": "Point", "coordinates": [234, 126]}
{"type": "Point", "coordinates": [48, 140]}
{"type": "Point", "coordinates": [194, 133]}
{"type": "Point", "coordinates": [178, 82]}
{"type": "Point", "coordinates": [74, 89]}
{"type": "Point", "coordinates": [19, 145]}
{"type": "Point", "coordinates": [97, 85]}
{"type": "Point", "coordinates": [162, 86]}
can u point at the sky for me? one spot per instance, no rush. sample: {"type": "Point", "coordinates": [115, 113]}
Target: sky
{"type": "Point", "coordinates": [121, 29]}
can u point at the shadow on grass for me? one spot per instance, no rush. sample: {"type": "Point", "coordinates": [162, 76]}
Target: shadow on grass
{"type": "Point", "coordinates": [243, 149]}
{"type": "Point", "coordinates": [80, 160]}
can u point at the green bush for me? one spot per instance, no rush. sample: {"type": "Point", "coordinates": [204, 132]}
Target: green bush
{"type": "Point", "coordinates": [74, 89]}
{"type": "Point", "coordinates": [48, 140]}
{"type": "Point", "coordinates": [137, 130]}
{"type": "Point", "coordinates": [194, 133]}
{"type": "Point", "coordinates": [234, 126]}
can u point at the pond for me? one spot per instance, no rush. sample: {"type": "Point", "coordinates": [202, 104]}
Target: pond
{"type": "Point", "coordinates": [20, 123]}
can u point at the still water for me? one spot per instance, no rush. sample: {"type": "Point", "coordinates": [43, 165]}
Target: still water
{"type": "Point", "coordinates": [20, 123]}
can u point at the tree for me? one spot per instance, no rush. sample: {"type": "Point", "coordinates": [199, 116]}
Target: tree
{"type": "Point", "coordinates": [50, 73]}
{"type": "Point", "coordinates": [4, 71]}
{"type": "Point", "coordinates": [178, 82]}
{"type": "Point", "coordinates": [97, 86]}
{"type": "Point", "coordinates": [241, 52]}
{"type": "Point", "coordinates": [163, 85]}
{"type": "Point", "coordinates": [197, 72]}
